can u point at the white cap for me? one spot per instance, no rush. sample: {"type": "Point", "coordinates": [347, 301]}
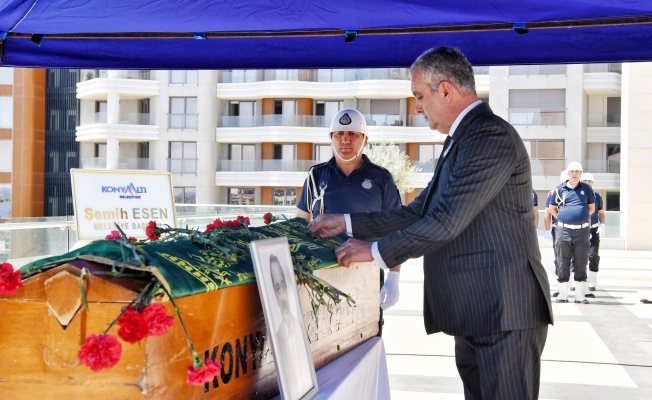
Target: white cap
{"type": "Point", "coordinates": [349, 120]}
{"type": "Point", "coordinates": [587, 176]}
{"type": "Point", "coordinates": [563, 177]}
{"type": "Point", "coordinates": [574, 166]}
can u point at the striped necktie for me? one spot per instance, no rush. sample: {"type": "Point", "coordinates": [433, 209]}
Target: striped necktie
{"type": "Point", "coordinates": [447, 146]}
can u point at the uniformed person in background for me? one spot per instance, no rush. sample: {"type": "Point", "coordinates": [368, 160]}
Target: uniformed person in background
{"type": "Point", "coordinates": [572, 205]}
{"type": "Point", "coordinates": [350, 183]}
{"type": "Point", "coordinates": [550, 222]}
{"type": "Point", "coordinates": [597, 231]}
{"type": "Point", "coordinates": [535, 200]}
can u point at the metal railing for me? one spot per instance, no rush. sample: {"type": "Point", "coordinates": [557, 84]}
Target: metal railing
{"type": "Point", "coordinates": [613, 223]}
{"type": "Point", "coordinates": [537, 116]}
{"type": "Point", "coordinates": [265, 165]}
{"type": "Point", "coordinates": [182, 166]}
{"type": "Point", "coordinates": [182, 121]}
{"type": "Point", "coordinates": [426, 166]}
{"type": "Point", "coordinates": [88, 74]}
{"type": "Point", "coordinates": [123, 118]}
{"type": "Point", "coordinates": [123, 163]}
{"type": "Point", "coordinates": [417, 120]}
{"type": "Point", "coordinates": [600, 120]}
{"type": "Point", "coordinates": [603, 166]}
{"type": "Point", "coordinates": [313, 121]}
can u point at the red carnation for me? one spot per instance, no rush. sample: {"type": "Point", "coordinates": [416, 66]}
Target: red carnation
{"type": "Point", "coordinates": [133, 327]}
{"type": "Point", "coordinates": [152, 231]}
{"type": "Point", "coordinates": [232, 224]}
{"type": "Point", "coordinates": [203, 374]}
{"type": "Point", "coordinates": [115, 235]}
{"type": "Point", "coordinates": [214, 225]}
{"type": "Point", "coordinates": [244, 220]}
{"type": "Point", "coordinates": [100, 351]}
{"type": "Point", "coordinates": [268, 218]}
{"type": "Point", "coordinates": [157, 320]}
{"type": "Point", "coordinates": [9, 279]}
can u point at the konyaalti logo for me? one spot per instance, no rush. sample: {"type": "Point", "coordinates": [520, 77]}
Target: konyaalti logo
{"type": "Point", "coordinates": [126, 192]}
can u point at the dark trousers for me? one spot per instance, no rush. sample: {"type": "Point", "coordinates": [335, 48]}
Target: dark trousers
{"type": "Point", "coordinates": [381, 321]}
{"type": "Point", "coordinates": [553, 232]}
{"type": "Point", "coordinates": [572, 248]}
{"type": "Point", "coordinates": [503, 365]}
{"type": "Point", "coordinates": [594, 257]}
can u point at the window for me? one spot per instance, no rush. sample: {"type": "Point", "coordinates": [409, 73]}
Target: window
{"type": "Point", "coordinates": [100, 150]}
{"type": "Point", "coordinates": [328, 108]}
{"type": "Point", "coordinates": [613, 201]}
{"type": "Point", "coordinates": [284, 197]}
{"type": "Point", "coordinates": [284, 152]}
{"type": "Point", "coordinates": [143, 150]}
{"type": "Point", "coordinates": [613, 158]}
{"type": "Point", "coordinates": [278, 107]}
{"type": "Point", "coordinates": [183, 158]}
{"type": "Point", "coordinates": [613, 111]}
{"type": "Point", "coordinates": [238, 152]}
{"type": "Point", "coordinates": [323, 152]}
{"type": "Point", "coordinates": [240, 114]}
{"type": "Point", "coordinates": [6, 149]}
{"type": "Point", "coordinates": [385, 113]}
{"type": "Point", "coordinates": [543, 107]}
{"type": "Point", "coordinates": [7, 114]}
{"type": "Point", "coordinates": [242, 196]}
{"type": "Point", "coordinates": [428, 156]}
{"type": "Point", "coordinates": [72, 120]}
{"type": "Point", "coordinates": [54, 161]}
{"type": "Point", "coordinates": [537, 70]}
{"type": "Point", "coordinates": [71, 160]}
{"type": "Point", "coordinates": [183, 113]}
{"type": "Point", "coordinates": [100, 112]}
{"type": "Point", "coordinates": [185, 195]}
{"type": "Point", "coordinates": [546, 157]}
{"type": "Point", "coordinates": [183, 77]}
{"type": "Point", "coordinates": [6, 76]}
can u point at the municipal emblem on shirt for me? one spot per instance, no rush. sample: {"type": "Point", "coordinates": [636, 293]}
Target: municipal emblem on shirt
{"type": "Point", "coordinates": [345, 120]}
{"type": "Point", "coordinates": [367, 184]}
{"type": "Point", "coordinates": [582, 192]}
{"type": "Point", "coordinates": [323, 185]}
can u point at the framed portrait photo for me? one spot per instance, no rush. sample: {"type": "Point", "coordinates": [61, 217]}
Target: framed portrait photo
{"type": "Point", "coordinates": [285, 327]}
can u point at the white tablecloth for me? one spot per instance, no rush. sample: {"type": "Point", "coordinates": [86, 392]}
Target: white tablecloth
{"type": "Point", "coordinates": [358, 375]}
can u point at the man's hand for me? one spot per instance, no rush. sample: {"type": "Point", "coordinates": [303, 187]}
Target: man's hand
{"type": "Point", "coordinates": [548, 235]}
{"type": "Point", "coordinates": [601, 230]}
{"type": "Point", "coordinates": [354, 250]}
{"type": "Point", "coordinates": [389, 292]}
{"type": "Point", "coordinates": [328, 225]}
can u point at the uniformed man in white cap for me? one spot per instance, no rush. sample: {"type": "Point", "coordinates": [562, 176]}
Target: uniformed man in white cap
{"type": "Point", "coordinates": [572, 205]}
{"type": "Point", "coordinates": [550, 222]}
{"type": "Point", "coordinates": [350, 183]}
{"type": "Point", "coordinates": [597, 231]}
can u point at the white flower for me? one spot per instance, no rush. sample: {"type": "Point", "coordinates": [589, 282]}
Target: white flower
{"type": "Point", "coordinates": [396, 162]}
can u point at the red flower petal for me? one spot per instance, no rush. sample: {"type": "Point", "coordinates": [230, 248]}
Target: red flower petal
{"type": "Point", "coordinates": [10, 280]}
{"type": "Point", "coordinates": [151, 230]}
{"type": "Point", "coordinates": [204, 374]}
{"type": "Point", "coordinates": [133, 327]}
{"type": "Point", "coordinates": [157, 320]}
{"type": "Point", "coordinates": [100, 351]}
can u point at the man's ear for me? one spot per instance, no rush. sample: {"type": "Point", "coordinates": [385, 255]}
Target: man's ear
{"type": "Point", "coordinates": [366, 140]}
{"type": "Point", "coordinates": [446, 89]}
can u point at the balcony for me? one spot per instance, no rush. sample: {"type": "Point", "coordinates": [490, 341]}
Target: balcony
{"type": "Point", "coordinates": [263, 172]}
{"type": "Point", "coordinates": [182, 121]}
{"type": "Point", "coordinates": [182, 166]}
{"type": "Point", "coordinates": [140, 127]}
{"type": "Point", "coordinates": [547, 166]}
{"type": "Point", "coordinates": [131, 85]}
{"type": "Point", "coordinates": [537, 70]}
{"type": "Point", "coordinates": [603, 79]}
{"type": "Point", "coordinates": [537, 117]}
{"type": "Point", "coordinates": [123, 163]}
{"type": "Point", "coordinates": [265, 165]}
{"type": "Point", "coordinates": [603, 128]}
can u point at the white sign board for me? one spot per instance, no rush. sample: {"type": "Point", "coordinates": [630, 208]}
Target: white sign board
{"type": "Point", "coordinates": [131, 199]}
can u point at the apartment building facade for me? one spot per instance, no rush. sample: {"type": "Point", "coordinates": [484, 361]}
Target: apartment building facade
{"type": "Point", "coordinates": [248, 137]}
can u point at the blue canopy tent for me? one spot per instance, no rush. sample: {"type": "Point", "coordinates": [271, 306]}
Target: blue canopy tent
{"type": "Point", "coordinates": [254, 34]}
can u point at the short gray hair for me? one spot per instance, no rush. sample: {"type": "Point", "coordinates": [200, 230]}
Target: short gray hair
{"type": "Point", "coordinates": [446, 63]}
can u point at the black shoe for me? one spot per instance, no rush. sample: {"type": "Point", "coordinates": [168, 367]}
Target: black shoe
{"type": "Point", "coordinates": [560, 301]}
{"type": "Point", "coordinates": [557, 294]}
{"type": "Point", "coordinates": [582, 302]}
{"type": "Point", "coordinates": [646, 301]}
{"type": "Point", "coordinates": [590, 295]}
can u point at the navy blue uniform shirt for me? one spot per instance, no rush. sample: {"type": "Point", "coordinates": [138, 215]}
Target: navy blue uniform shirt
{"type": "Point", "coordinates": [535, 198]}
{"type": "Point", "coordinates": [598, 206]}
{"type": "Point", "coordinates": [367, 189]}
{"type": "Point", "coordinates": [574, 209]}
{"type": "Point", "coordinates": [551, 194]}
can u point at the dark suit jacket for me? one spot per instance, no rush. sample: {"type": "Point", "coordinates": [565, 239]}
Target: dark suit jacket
{"type": "Point", "coordinates": [473, 225]}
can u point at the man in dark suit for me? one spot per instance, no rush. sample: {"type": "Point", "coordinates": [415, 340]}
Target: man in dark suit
{"type": "Point", "coordinates": [484, 281]}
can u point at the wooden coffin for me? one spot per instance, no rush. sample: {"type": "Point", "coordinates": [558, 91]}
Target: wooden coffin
{"type": "Point", "coordinates": [44, 325]}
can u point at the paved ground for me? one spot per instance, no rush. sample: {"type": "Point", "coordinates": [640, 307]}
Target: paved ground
{"type": "Point", "coordinates": [598, 351]}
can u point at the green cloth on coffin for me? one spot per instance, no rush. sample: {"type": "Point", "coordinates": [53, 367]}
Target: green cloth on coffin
{"type": "Point", "coordinates": [189, 268]}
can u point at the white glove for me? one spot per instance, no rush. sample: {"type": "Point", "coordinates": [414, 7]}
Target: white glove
{"type": "Point", "coordinates": [601, 230]}
{"type": "Point", "coordinates": [389, 291]}
{"type": "Point", "coordinates": [547, 235]}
